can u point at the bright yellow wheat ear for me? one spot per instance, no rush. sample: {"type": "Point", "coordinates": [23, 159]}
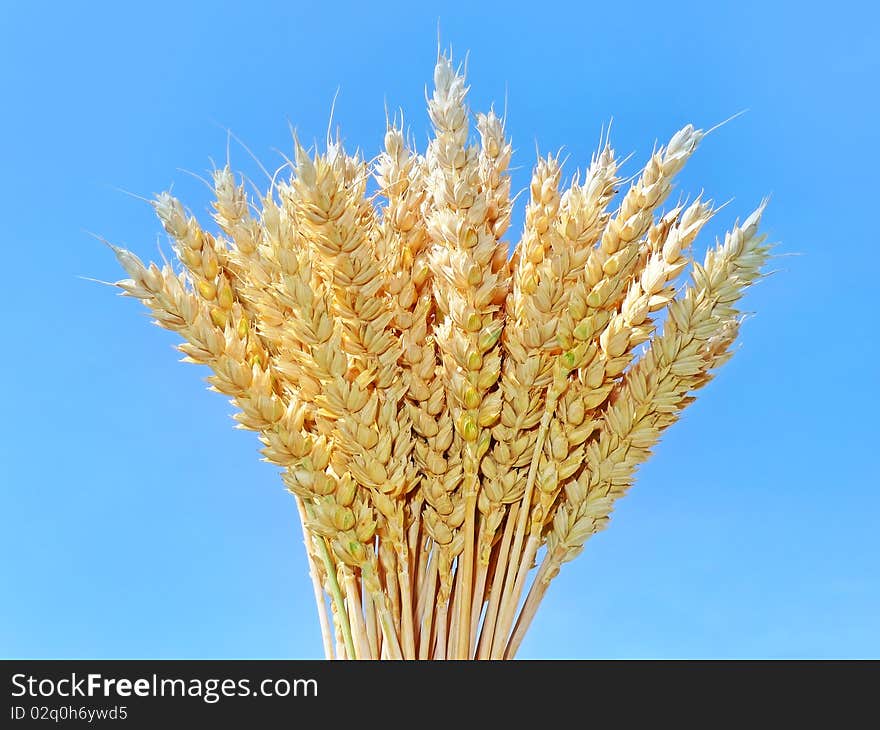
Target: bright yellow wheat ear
{"type": "Point", "coordinates": [441, 411]}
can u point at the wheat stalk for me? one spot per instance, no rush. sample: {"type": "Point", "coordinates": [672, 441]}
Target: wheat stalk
{"type": "Point", "coordinates": [441, 410]}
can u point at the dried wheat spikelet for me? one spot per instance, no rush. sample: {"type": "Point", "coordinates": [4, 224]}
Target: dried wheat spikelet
{"type": "Point", "coordinates": [442, 410]}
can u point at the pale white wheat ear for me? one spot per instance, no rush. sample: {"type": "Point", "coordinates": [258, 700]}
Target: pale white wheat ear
{"type": "Point", "coordinates": [453, 422]}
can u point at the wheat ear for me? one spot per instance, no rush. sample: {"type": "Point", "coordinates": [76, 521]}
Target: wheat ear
{"type": "Point", "coordinates": [696, 339]}
{"type": "Point", "coordinates": [550, 266]}
{"type": "Point", "coordinates": [373, 445]}
{"type": "Point", "coordinates": [402, 251]}
{"type": "Point", "coordinates": [468, 263]}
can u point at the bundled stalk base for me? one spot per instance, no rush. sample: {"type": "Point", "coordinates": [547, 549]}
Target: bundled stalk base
{"type": "Point", "coordinates": [439, 409]}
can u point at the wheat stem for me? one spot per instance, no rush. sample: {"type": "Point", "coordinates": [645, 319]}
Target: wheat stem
{"type": "Point", "coordinates": [530, 606]}
{"type": "Point", "coordinates": [478, 599]}
{"type": "Point", "coordinates": [336, 595]}
{"type": "Point", "coordinates": [308, 538]}
{"type": "Point", "coordinates": [355, 613]}
{"type": "Point", "coordinates": [515, 570]}
{"type": "Point", "coordinates": [496, 592]}
{"type": "Point", "coordinates": [369, 609]}
{"type": "Point", "coordinates": [407, 631]}
{"type": "Point", "coordinates": [426, 602]}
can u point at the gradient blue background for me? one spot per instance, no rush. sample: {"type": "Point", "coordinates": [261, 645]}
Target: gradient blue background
{"type": "Point", "coordinates": [135, 522]}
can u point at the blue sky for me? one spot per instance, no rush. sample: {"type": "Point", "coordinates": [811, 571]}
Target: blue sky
{"type": "Point", "coordinates": [135, 522]}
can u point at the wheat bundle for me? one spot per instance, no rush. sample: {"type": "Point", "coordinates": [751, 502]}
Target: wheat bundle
{"type": "Point", "coordinates": [448, 417]}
